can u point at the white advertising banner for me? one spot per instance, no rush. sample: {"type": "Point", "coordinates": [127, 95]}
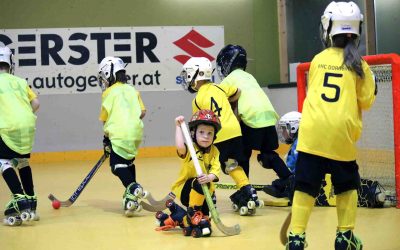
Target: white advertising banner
{"type": "Point", "coordinates": [65, 60]}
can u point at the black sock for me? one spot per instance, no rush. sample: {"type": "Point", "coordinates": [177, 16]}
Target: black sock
{"type": "Point", "coordinates": [25, 174]}
{"type": "Point", "coordinates": [125, 175]}
{"type": "Point", "coordinates": [12, 181]}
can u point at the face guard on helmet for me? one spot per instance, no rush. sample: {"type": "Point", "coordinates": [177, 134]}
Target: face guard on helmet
{"type": "Point", "coordinates": [288, 127]}
{"type": "Point", "coordinates": [340, 18]}
{"type": "Point", "coordinates": [230, 58]}
{"type": "Point", "coordinates": [108, 69]}
{"type": "Point", "coordinates": [6, 56]}
{"type": "Point", "coordinates": [207, 117]}
{"type": "Point", "coordinates": [195, 69]}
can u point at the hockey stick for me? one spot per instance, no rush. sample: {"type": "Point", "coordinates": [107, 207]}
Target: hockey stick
{"type": "Point", "coordinates": [284, 229]}
{"type": "Point", "coordinates": [276, 202]}
{"type": "Point", "coordinates": [155, 205]}
{"type": "Point", "coordinates": [258, 187]}
{"type": "Point", "coordinates": [234, 230]}
{"type": "Point", "coordinates": [80, 188]}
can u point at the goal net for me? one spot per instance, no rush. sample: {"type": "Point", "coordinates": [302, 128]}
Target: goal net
{"type": "Point", "coordinates": [379, 147]}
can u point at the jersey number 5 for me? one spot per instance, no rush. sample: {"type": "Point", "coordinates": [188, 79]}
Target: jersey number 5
{"type": "Point", "coordinates": [333, 86]}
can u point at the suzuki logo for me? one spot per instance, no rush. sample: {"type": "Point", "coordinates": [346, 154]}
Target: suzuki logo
{"type": "Point", "coordinates": [192, 43]}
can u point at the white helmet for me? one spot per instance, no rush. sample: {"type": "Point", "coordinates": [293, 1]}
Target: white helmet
{"type": "Point", "coordinates": [340, 18]}
{"type": "Point", "coordinates": [288, 127]}
{"type": "Point", "coordinates": [6, 56]}
{"type": "Point", "coordinates": [108, 68]}
{"type": "Point", "coordinates": [195, 69]}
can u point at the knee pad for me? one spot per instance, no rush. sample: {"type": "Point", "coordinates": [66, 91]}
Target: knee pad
{"type": "Point", "coordinates": [5, 164]}
{"type": "Point", "coordinates": [115, 167]}
{"type": "Point", "coordinates": [230, 165]}
{"type": "Point", "coordinates": [266, 160]}
{"type": "Point", "coordinates": [21, 163]}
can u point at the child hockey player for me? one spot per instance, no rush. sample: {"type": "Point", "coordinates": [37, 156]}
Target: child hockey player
{"type": "Point", "coordinates": [340, 86]}
{"type": "Point", "coordinates": [121, 113]}
{"type": "Point", "coordinates": [370, 194]}
{"type": "Point", "coordinates": [196, 75]}
{"type": "Point", "coordinates": [255, 111]}
{"type": "Point", "coordinates": [17, 132]}
{"type": "Point", "coordinates": [203, 126]}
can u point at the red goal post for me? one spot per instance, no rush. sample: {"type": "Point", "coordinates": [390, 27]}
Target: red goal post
{"type": "Point", "coordinates": [382, 59]}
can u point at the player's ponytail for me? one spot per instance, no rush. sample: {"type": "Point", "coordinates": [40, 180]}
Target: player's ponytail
{"type": "Point", "coordinates": [352, 57]}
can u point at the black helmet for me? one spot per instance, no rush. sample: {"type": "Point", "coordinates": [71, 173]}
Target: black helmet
{"type": "Point", "coordinates": [230, 58]}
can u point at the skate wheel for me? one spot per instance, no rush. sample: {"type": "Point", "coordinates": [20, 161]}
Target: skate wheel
{"type": "Point", "coordinates": [206, 231]}
{"type": "Point", "coordinates": [243, 211]}
{"type": "Point", "coordinates": [129, 213]}
{"type": "Point", "coordinates": [12, 221]}
{"type": "Point", "coordinates": [187, 231]}
{"type": "Point", "coordinates": [196, 232]}
{"type": "Point", "coordinates": [251, 204]}
{"type": "Point", "coordinates": [139, 208]}
{"type": "Point", "coordinates": [145, 194]}
{"type": "Point", "coordinates": [25, 216]}
{"type": "Point", "coordinates": [252, 211]}
{"type": "Point", "coordinates": [138, 192]}
{"type": "Point", "coordinates": [260, 203]}
{"type": "Point", "coordinates": [131, 205]}
{"type": "Point", "coordinates": [169, 203]}
{"type": "Point", "coordinates": [380, 197]}
{"type": "Point", "coordinates": [235, 207]}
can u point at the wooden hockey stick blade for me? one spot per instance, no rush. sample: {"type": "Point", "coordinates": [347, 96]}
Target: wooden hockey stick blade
{"type": "Point", "coordinates": [230, 231]}
{"type": "Point", "coordinates": [66, 203]}
{"type": "Point", "coordinates": [284, 229]}
{"type": "Point", "coordinates": [155, 205]}
{"type": "Point", "coordinates": [234, 230]}
{"type": "Point", "coordinates": [258, 187]}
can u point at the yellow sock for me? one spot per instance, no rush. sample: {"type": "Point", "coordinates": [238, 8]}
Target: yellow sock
{"type": "Point", "coordinates": [346, 207]}
{"type": "Point", "coordinates": [240, 177]}
{"type": "Point", "coordinates": [195, 199]}
{"type": "Point", "coordinates": [301, 210]}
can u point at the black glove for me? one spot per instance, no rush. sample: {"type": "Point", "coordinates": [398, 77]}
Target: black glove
{"type": "Point", "coordinates": [107, 146]}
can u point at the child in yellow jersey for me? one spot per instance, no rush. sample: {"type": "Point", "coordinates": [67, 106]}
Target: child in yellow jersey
{"type": "Point", "coordinates": [17, 132]}
{"type": "Point", "coordinates": [196, 76]}
{"type": "Point", "coordinates": [340, 86]}
{"type": "Point", "coordinates": [121, 112]}
{"type": "Point", "coordinates": [256, 114]}
{"type": "Point", "coordinates": [203, 127]}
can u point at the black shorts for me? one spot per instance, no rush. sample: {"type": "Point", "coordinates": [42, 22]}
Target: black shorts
{"type": "Point", "coordinates": [311, 169]}
{"type": "Point", "coordinates": [262, 139]}
{"type": "Point", "coordinates": [8, 153]}
{"type": "Point", "coordinates": [231, 149]}
{"type": "Point", "coordinates": [116, 159]}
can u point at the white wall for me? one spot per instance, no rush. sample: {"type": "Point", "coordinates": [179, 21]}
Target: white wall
{"type": "Point", "coordinates": [70, 122]}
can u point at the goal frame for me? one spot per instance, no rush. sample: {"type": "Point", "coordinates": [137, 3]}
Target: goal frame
{"type": "Point", "coordinates": [392, 59]}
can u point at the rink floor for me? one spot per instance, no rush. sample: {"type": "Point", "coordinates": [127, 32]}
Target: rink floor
{"type": "Point", "coordinates": [96, 221]}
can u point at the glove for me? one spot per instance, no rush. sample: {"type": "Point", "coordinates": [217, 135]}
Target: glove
{"type": "Point", "coordinates": [107, 146]}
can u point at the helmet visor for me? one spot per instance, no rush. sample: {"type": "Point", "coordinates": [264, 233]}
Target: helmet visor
{"type": "Point", "coordinates": [102, 79]}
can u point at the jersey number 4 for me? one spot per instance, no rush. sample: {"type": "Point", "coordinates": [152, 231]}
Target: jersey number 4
{"type": "Point", "coordinates": [333, 86]}
{"type": "Point", "coordinates": [217, 109]}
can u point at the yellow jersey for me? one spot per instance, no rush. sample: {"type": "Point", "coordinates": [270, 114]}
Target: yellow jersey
{"type": "Point", "coordinates": [17, 120]}
{"type": "Point", "coordinates": [331, 121]}
{"type": "Point", "coordinates": [254, 107]}
{"type": "Point", "coordinates": [209, 163]}
{"type": "Point", "coordinates": [120, 112]}
{"type": "Point", "coordinates": [215, 98]}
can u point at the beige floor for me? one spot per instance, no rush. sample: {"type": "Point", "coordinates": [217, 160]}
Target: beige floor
{"type": "Point", "coordinates": [95, 221]}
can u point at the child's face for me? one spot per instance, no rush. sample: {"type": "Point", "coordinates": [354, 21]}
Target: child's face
{"type": "Point", "coordinates": [204, 135]}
